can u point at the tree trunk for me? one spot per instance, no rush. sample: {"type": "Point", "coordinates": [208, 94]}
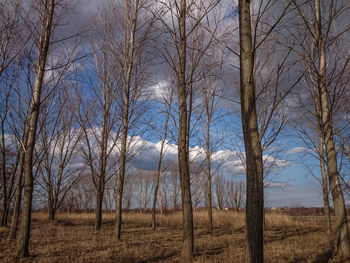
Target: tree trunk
{"type": "Point", "coordinates": [5, 205]}
{"type": "Point", "coordinates": [50, 203]}
{"type": "Point", "coordinates": [5, 213]}
{"type": "Point", "coordinates": [326, 209]}
{"type": "Point", "coordinates": [102, 168]}
{"type": "Point", "coordinates": [183, 137]}
{"type": "Point", "coordinates": [342, 232]}
{"type": "Point", "coordinates": [52, 213]}
{"type": "Point", "coordinates": [209, 196]}
{"type": "Point", "coordinates": [158, 175]}
{"type": "Point", "coordinates": [129, 57]}
{"type": "Point", "coordinates": [98, 211]}
{"type": "Point", "coordinates": [160, 164]}
{"type": "Point", "coordinates": [254, 164]}
{"type": "Point", "coordinates": [19, 188]}
{"type": "Point", "coordinates": [120, 184]}
{"type": "Point", "coordinates": [47, 16]}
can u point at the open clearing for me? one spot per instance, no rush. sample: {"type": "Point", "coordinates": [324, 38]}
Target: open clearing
{"type": "Point", "coordinates": [72, 238]}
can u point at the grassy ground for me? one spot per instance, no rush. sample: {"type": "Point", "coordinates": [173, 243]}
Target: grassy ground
{"type": "Point", "coordinates": [72, 238]}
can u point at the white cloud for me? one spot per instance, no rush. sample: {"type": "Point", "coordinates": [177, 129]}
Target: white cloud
{"type": "Point", "coordinates": [297, 150]}
{"type": "Point", "coordinates": [283, 185]}
{"type": "Point", "coordinates": [158, 91]}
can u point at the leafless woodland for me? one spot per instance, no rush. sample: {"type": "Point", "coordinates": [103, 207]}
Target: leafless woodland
{"type": "Point", "coordinates": [147, 130]}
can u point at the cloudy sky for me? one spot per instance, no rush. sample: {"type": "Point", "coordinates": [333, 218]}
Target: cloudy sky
{"type": "Point", "coordinates": [290, 183]}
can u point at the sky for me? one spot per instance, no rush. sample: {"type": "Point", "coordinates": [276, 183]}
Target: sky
{"type": "Point", "coordinates": [290, 184]}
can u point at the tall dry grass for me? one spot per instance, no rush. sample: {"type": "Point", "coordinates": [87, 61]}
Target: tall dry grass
{"type": "Point", "coordinates": [72, 238]}
{"type": "Point", "coordinates": [228, 220]}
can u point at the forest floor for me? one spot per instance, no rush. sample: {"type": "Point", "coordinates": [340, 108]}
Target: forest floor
{"type": "Point", "coordinates": [72, 238]}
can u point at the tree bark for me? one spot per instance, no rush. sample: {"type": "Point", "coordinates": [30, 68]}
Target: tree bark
{"type": "Point", "coordinates": [208, 157]}
{"type": "Point", "coordinates": [321, 154]}
{"type": "Point", "coordinates": [5, 201]}
{"type": "Point", "coordinates": [183, 137]}
{"type": "Point", "coordinates": [102, 168]}
{"type": "Point", "coordinates": [52, 213]}
{"type": "Point", "coordinates": [50, 203]}
{"type": "Point", "coordinates": [19, 188]}
{"type": "Point", "coordinates": [327, 214]}
{"type": "Point", "coordinates": [342, 232]}
{"type": "Point", "coordinates": [254, 164]}
{"type": "Point", "coordinates": [46, 27]}
{"type": "Point", "coordinates": [129, 59]}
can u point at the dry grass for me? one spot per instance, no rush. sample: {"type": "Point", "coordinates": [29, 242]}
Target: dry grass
{"type": "Point", "coordinates": [72, 238]}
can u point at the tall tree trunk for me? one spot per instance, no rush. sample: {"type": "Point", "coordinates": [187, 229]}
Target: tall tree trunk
{"type": "Point", "coordinates": [254, 164]}
{"type": "Point", "coordinates": [129, 59]}
{"type": "Point", "coordinates": [183, 137]}
{"type": "Point", "coordinates": [208, 157]}
{"type": "Point", "coordinates": [4, 177]}
{"type": "Point", "coordinates": [102, 168]}
{"type": "Point", "coordinates": [160, 165]}
{"type": "Point", "coordinates": [32, 126]}
{"type": "Point", "coordinates": [327, 214]}
{"type": "Point", "coordinates": [19, 188]}
{"type": "Point", "coordinates": [121, 176]}
{"type": "Point", "coordinates": [342, 232]}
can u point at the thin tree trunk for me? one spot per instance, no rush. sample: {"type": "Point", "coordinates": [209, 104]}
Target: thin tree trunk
{"type": "Point", "coordinates": [46, 27]}
{"type": "Point", "coordinates": [342, 232]}
{"type": "Point", "coordinates": [50, 203]}
{"type": "Point", "coordinates": [102, 168]}
{"type": "Point", "coordinates": [121, 176]}
{"type": "Point", "coordinates": [19, 188]}
{"type": "Point", "coordinates": [160, 165]}
{"type": "Point", "coordinates": [4, 178]}
{"type": "Point", "coordinates": [129, 53]}
{"type": "Point", "coordinates": [254, 164]}
{"type": "Point", "coordinates": [183, 156]}
{"type": "Point", "coordinates": [208, 156]}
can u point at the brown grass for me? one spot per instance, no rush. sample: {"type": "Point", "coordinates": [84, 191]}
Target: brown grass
{"type": "Point", "coordinates": [72, 238]}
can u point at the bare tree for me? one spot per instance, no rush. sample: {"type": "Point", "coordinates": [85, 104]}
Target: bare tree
{"type": "Point", "coordinates": [144, 188]}
{"type": "Point", "coordinates": [13, 40]}
{"type": "Point", "coordinates": [179, 20]}
{"type": "Point", "coordinates": [219, 183]}
{"type": "Point", "coordinates": [249, 45]}
{"type": "Point", "coordinates": [325, 72]}
{"type": "Point", "coordinates": [235, 194]}
{"type": "Point", "coordinates": [167, 104]}
{"type": "Point", "coordinates": [58, 141]}
{"type": "Point", "coordinates": [19, 121]}
{"type": "Point", "coordinates": [47, 10]}
{"type": "Point", "coordinates": [101, 125]}
{"type": "Point", "coordinates": [210, 76]}
{"type": "Point", "coordinates": [135, 29]}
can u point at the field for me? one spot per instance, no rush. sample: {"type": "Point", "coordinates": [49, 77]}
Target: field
{"type": "Point", "coordinates": [72, 238]}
